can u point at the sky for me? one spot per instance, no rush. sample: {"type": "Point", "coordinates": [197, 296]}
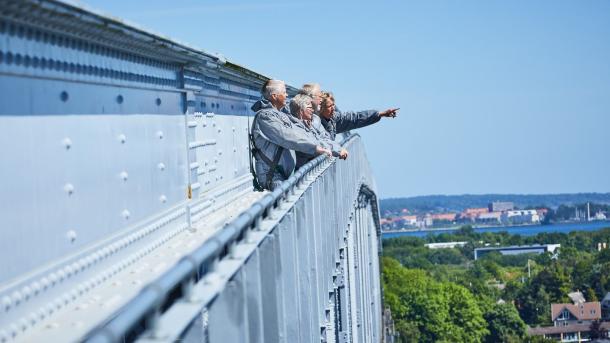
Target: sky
{"type": "Point", "coordinates": [495, 96]}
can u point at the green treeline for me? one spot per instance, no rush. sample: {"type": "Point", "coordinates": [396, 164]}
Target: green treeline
{"type": "Point", "coordinates": [443, 295]}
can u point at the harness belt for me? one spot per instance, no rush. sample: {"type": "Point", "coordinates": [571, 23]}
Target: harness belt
{"type": "Point", "coordinates": [272, 164]}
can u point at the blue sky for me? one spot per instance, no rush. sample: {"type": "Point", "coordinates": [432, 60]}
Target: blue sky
{"type": "Point", "coordinates": [495, 96]}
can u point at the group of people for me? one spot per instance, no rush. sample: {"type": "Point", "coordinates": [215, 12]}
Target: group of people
{"type": "Point", "coordinates": [283, 138]}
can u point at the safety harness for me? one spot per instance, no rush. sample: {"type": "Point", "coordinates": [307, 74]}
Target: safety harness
{"type": "Point", "coordinates": [272, 164]}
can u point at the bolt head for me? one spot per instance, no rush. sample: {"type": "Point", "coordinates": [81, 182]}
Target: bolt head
{"type": "Point", "coordinates": [6, 303]}
{"type": "Point", "coordinates": [16, 296]}
{"type": "Point", "coordinates": [71, 236]}
{"type": "Point", "coordinates": [67, 143]}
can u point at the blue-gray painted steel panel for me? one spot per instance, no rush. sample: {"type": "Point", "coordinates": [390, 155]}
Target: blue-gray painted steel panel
{"type": "Point", "coordinates": [270, 286]}
{"type": "Point", "coordinates": [289, 267]}
{"type": "Point", "coordinates": [227, 314]}
{"type": "Point", "coordinates": [254, 301]}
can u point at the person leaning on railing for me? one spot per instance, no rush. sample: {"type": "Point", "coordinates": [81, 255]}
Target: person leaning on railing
{"type": "Point", "coordinates": [302, 108]}
{"type": "Point", "coordinates": [335, 121]}
{"type": "Point", "coordinates": [313, 90]}
{"type": "Point", "coordinates": [274, 134]}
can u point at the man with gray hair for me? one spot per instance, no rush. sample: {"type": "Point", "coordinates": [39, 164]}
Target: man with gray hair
{"type": "Point", "coordinates": [314, 92]}
{"type": "Point", "coordinates": [275, 135]}
{"type": "Point", "coordinates": [301, 107]}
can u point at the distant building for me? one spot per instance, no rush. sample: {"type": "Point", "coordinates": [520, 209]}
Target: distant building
{"type": "Point", "coordinates": [520, 217]}
{"type": "Point", "coordinates": [517, 249]}
{"type": "Point", "coordinates": [571, 322]}
{"type": "Point", "coordinates": [599, 216]}
{"type": "Point", "coordinates": [428, 220]}
{"type": "Point", "coordinates": [409, 220]}
{"type": "Point", "coordinates": [450, 217]}
{"type": "Point", "coordinates": [582, 313]}
{"type": "Point", "coordinates": [470, 214]}
{"type": "Point", "coordinates": [542, 212]}
{"type": "Point", "coordinates": [445, 245]}
{"type": "Point", "coordinates": [569, 333]}
{"type": "Point", "coordinates": [500, 206]}
{"type": "Point", "coordinates": [489, 218]}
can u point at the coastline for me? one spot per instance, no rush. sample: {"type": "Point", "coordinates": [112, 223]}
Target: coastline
{"type": "Point", "coordinates": [508, 228]}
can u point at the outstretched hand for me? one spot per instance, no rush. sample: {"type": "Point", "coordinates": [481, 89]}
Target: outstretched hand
{"type": "Point", "coordinates": [390, 113]}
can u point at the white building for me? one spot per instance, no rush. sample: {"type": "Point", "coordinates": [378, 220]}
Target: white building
{"type": "Point", "coordinates": [445, 245]}
{"type": "Point", "coordinates": [520, 217]}
{"type": "Point", "coordinates": [490, 218]}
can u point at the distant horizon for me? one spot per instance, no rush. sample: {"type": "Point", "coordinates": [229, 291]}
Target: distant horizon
{"type": "Point", "coordinates": [501, 194]}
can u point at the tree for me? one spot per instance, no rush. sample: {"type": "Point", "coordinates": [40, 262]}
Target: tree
{"type": "Point", "coordinates": [468, 324]}
{"type": "Point", "coordinates": [534, 306]}
{"type": "Point", "coordinates": [429, 311]}
{"type": "Point", "coordinates": [504, 324]}
{"type": "Point", "coordinates": [465, 230]}
{"type": "Point", "coordinates": [596, 331]}
{"type": "Point", "coordinates": [408, 332]}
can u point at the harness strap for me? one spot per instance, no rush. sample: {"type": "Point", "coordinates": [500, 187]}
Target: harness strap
{"type": "Point", "coordinates": [272, 164]}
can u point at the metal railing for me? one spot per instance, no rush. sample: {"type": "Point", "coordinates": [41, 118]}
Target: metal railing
{"type": "Point", "coordinates": [300, 263]}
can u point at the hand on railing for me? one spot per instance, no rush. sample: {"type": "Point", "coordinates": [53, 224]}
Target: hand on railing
{"type": "Point", "coordinates": [343, 154]}
{"type": "Point", "coordinates": [320, 150]}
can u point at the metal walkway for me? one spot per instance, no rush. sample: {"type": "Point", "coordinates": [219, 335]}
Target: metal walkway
{"type": "Point", "coordinates": [128, 212]}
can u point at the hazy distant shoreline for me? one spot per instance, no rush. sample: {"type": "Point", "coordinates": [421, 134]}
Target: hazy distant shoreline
{"type": "Point", "coordinates": [526, 230]}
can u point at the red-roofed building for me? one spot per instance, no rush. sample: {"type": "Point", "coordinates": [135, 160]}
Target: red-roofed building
{"type": "Point", "coordinates": [444, 216]}
{"type": "Point", "coordinates": [471, 214]}
{"type": "Point", "coordinates": [571, 322]}
{"type": "Point", "coordinates": [410, 220]}
{"type": "Point", "coordinates": [476, 211]}
{"type": "Point", "coordinates": [581, 313]}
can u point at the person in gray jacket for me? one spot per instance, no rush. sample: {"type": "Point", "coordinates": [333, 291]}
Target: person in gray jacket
{"type": "Point", "coordinates": [276, 136]}
{"type": "Point", "coordinates": [335, 121]}
{"type": "Point", "coordinates": [315, 93]}
{"type": "Point", "coordinates": [302, 107]}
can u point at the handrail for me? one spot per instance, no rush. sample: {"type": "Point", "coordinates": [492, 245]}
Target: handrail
{"type": "Point", "coordinates": [149, 301]}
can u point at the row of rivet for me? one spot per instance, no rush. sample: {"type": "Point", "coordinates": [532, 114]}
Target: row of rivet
{"type": "Point", "coordinates": [54, 278]}
{"type": "Point", "coordinates": [50, 64]}
{"type": "Point", "coordinates": [76, 44]}
{"type": "Point", "coordinates": [23, 324]}
{"type": "Point", "coordinates": [64, 97]}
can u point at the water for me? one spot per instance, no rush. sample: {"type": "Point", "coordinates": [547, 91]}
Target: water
{"type": "Point", "coordinates": [529, 230]}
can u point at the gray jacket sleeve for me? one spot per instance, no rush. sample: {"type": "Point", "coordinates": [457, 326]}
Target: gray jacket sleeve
{"type": "Point", "coordinates": [350, 120]}
{"type": "Point", "coordinates": [288, 137]}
